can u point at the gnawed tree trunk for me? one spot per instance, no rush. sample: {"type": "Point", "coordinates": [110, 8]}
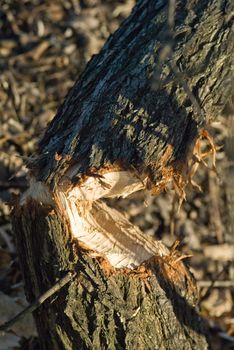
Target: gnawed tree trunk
{"type": "Point", "coordinates": [149, 307]}
{"type": "Point", "coordinates": [119, 131]}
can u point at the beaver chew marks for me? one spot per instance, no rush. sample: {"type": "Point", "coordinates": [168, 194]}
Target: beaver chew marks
{"type": "Point", "coordinates": [102, 229]}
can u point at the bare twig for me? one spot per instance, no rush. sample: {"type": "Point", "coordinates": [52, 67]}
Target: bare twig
{"type": "Point", "coordinates": [39, 301]}
{"type": "Point", "coordinates": [215, 284]}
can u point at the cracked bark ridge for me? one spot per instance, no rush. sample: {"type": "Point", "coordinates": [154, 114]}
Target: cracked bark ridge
{"type": "Point", "coordinates": [114, 119]}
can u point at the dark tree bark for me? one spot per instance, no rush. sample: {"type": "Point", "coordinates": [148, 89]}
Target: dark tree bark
{"type": "Point", "coordinates": [150, 307]}
{"type": "Point", "coordinates": [113, 117]}
{"type": "Point", "coordinates": [130, 122]}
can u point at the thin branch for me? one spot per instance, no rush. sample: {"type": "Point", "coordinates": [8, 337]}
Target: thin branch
{"type": "Point", "coordinates": [39, 301]}
{"type": "Point", "coordinates": [216, 284]}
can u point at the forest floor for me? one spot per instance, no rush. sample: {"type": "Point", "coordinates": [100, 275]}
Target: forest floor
{"type": "Point", "coordinates": [44, 46]}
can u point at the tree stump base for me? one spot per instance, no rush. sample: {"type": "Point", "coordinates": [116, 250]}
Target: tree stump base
{"type": "Point", "coordinates": [151, 306]}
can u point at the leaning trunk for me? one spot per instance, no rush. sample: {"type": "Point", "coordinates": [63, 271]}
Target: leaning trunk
{"type": "Point", "coordinates": [130, 122]}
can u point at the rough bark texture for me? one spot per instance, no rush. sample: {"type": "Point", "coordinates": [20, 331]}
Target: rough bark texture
{"type": "Point", "coordinates": [127, 111]}
{"type": "Point", "coordinates": [152, 307]}
{"type": "Point", "coordinates": [114, 117]}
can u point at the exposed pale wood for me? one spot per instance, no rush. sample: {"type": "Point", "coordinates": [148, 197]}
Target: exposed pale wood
{"type": "Point", "coordinates": [110, 184]}
{"type": "Point", "coordinates": [110, 234]}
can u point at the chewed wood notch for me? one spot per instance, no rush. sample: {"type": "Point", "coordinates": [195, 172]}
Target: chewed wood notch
{"type": "Point", "coordinates": [102, 229]}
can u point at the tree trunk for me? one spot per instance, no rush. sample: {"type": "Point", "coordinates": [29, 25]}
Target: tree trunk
{"type": "Point", "coordinates": [149, 307]}
{"type": "Point", "coordinates": [130, 122]}
{"type": "Point", "coordinates": [127, 112]}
